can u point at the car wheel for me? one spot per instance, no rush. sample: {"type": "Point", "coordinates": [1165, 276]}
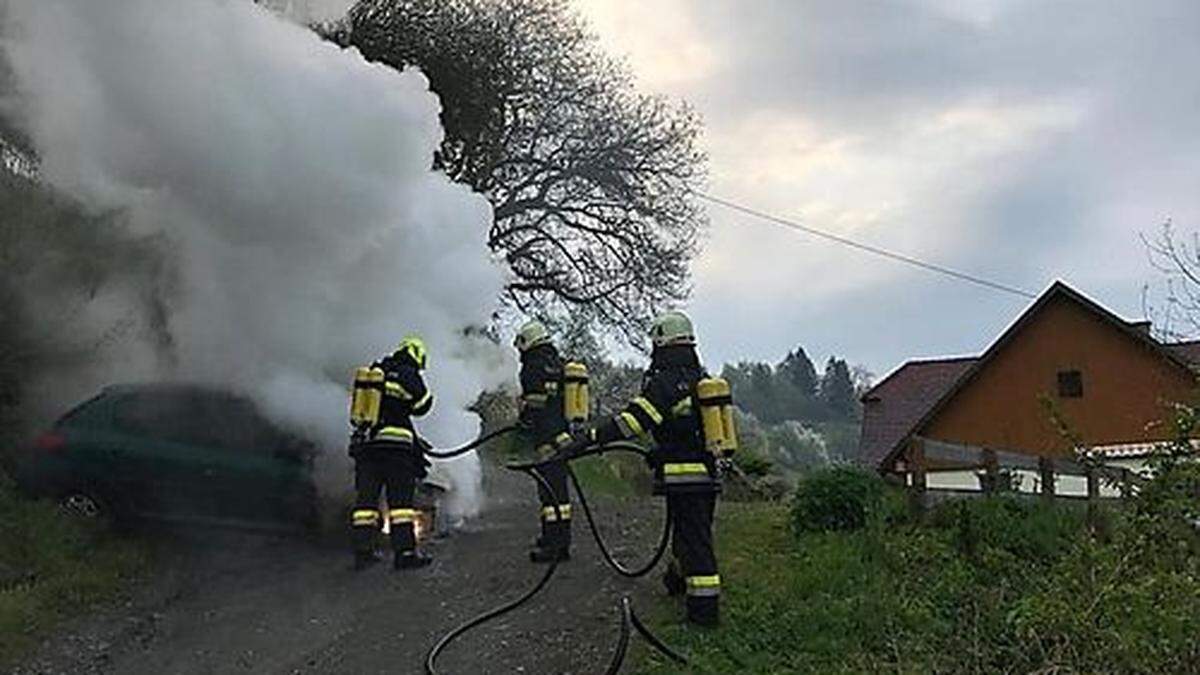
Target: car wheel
{"type": "Point", "coordinates": [84, 506]}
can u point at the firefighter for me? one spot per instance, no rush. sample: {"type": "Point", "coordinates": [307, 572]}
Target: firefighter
{"type": "Point", "coordinates": [685, 471]}
{"type": "Point", "coordinates": [542, 420]}
{"type": "Point", "coordinates": [388, 454]}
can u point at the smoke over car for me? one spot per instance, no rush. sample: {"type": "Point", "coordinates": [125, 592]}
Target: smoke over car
{"type": "Point", "coordinates": [290, 184]}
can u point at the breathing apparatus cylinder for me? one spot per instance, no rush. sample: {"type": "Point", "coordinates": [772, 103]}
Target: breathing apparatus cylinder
{"type": "Point", "coordinates": [367, 397]}
{"type": "Point", "coordinates": [716, 416]}
{"type": "Point", "coordinates": [576, 397]}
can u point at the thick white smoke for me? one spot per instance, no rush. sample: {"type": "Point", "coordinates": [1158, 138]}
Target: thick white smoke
{"type": "Point", "coordinates": [292, 182]}
{"type": "Point", "coordinates": [310, 11]}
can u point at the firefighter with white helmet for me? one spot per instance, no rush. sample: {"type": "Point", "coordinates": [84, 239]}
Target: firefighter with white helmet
{"type": "Point", "coordinates": [689, 417]}
{"type": "Point", "coordinates": [542, 420]}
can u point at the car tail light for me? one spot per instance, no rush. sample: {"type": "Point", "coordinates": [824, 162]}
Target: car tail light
{"type": "Point", "coordinates": [51, 442]}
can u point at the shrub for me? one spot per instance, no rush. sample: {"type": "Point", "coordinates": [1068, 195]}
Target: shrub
{"type": "Point", "coordinates": [753, 464]}
{"type": "Point", "coordinates": [1011, 525]}
{"type": "Point", "coordinates": [836, 499]}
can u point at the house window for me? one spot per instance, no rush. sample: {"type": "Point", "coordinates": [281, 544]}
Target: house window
{"type": "Point", "coordinates": [1070, 384]}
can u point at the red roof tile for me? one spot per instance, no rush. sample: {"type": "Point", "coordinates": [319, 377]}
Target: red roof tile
{"type": "Point", "coordinates": [894, 406]}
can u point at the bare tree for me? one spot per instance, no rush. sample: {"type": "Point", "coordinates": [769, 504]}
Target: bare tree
{"type": "Point", "coordinates": [1175, 305]}
{"type": "Point", "coordinates": [592, 184]}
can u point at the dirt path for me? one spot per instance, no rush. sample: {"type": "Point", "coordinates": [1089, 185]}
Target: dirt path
{"type": "Point", "coordinates": [228, 603]}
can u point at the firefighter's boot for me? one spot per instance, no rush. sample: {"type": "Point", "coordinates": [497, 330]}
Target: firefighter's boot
{"type": "Point", "coordinates": [411, 560]}
{"type": "Point", "coordinates": [548, 554]}
{"type": "Point", "coordinates": [703, 612]}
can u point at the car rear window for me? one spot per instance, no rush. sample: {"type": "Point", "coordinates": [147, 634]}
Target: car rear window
{"type": "Point", "coordinates": [207, 418]}
{"type": "Point", "coordinates": [169, 416]}
{"type": "Point", "coordinates": [81, 412]}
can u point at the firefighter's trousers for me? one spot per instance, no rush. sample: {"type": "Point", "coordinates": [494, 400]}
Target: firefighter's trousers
{"type": "Point", "coordinates": [556, 522]}
{"type": "Point", "coordinates": [692, 547]}
{"type": "Point", "coordinates": [374, 470]}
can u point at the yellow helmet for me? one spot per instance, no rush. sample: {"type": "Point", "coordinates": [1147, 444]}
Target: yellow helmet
{"type": "Point", "coordinates": [672, 328]}
{"type": "Point", "coordinates": [414, 346]}
{"type": "Point", "coordinates": [532, 334]}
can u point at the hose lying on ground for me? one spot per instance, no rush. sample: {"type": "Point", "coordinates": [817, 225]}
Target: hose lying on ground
{"type": "Point", "coordinates": [436, 650]}
{"type": "Point", "coordinates": [587, 511]}
{"type": "Point", "coordinates": [628, 618]}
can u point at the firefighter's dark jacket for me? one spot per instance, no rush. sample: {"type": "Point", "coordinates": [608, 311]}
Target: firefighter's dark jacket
{"type": "Point", "coordinates": [666, 412]}
{"type": "Point", "coordinates": [405, 396]}
{"type": "Point", "coordinates": [542, 415]}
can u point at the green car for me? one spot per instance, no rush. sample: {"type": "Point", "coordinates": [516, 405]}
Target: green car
{"type": "Point", "coordinates": [174, 452]}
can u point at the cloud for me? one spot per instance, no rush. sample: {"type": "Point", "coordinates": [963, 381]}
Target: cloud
{"type": "Point", "coordinates": [1018, 139]}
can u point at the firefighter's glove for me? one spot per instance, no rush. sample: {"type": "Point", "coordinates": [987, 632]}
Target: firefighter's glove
{"type": "Point", "coordinates": [525, 421]}
{"type": "Point", "coordinates": [570, 446]}
{"type": "Point", "coordinates": [357, 439]}
{"type": "Point", "coordinates": [725, 465]}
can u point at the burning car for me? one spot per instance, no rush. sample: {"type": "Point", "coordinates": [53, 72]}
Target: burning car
{"type": "Point", "coordinates": [173, 452]}
{"type": "Point", "coordinates": [188, 453]}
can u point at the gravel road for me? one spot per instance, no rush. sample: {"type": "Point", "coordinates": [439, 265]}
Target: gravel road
{"type": "Point", "coordinates": [225, 602]}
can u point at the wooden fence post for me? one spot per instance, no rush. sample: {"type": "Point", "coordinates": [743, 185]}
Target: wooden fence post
{"type": "Point", "coordinates": [1093, 497]}
{"type": "Point", "coordinates": [1046, 472]}
{"type": "Point", "coordinates": [919, 484]}
{"type": "Point", "coordinates": [991, 468]}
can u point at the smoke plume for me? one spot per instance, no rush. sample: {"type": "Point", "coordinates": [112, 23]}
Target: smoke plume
{"type": "Point", "coordinates": [290, 182]}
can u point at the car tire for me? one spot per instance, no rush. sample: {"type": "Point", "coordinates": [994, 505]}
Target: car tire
{"type": "Point", "coordinates": [85, 505]}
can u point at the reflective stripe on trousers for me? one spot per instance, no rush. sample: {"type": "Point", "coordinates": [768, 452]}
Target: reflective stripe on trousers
{"type": "Point", "coordinates": [551, 514]}
{"type": "Point", "coordinates": [364, 518]}
{"type": "Point", "coordinates": [707, 586]}
{"type": "Point", "coordinates": [685, 472]}
{"type": "Point", "coordinates": [398, 516]}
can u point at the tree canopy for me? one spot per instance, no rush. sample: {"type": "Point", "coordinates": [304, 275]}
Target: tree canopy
{"type": "Point", "coordinates": [591, 182]}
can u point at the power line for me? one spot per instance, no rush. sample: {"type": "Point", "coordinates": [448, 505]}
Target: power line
{"type": "Point", "coordinates": [891, 255]}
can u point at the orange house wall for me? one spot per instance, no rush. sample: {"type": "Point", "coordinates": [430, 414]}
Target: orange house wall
{"type": "Point", "coordinates": [1126, 387]}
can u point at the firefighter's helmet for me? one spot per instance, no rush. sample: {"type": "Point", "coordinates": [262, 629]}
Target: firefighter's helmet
{"type": "Point", "coordinates": [672, 328]}
{"type": "Point", "coordinates": [532, 334]}
{"type": "Point", "coordinates": [414, 346]}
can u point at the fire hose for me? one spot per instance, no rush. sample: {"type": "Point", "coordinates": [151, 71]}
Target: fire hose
{"type": "Point", "coordinates": [629, 619]}
{"type": "Point", "coordinates": [450, 454]}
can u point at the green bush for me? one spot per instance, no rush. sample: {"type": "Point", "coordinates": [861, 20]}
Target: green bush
{"type": "Point", "coordinates": [753, 464]}
{"type": "Point", "coordinates": [837, 498]}
{"type": "Point", "coordinates": [1015, 526]}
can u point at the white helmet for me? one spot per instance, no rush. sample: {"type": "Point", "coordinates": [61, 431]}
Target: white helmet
{"type": "Point", "coordinates": [672, 328]}
{"type": "Point", "coordinates": [532, 334]}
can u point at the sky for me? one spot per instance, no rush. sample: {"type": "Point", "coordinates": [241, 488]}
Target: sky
{"type": "Point", "coordinates": [1022, 141]}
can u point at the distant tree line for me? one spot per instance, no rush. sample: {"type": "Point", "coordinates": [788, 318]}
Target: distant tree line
{"type": "Point", "coordinates": [793, 390]}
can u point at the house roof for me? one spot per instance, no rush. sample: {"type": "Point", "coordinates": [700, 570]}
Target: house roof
{"type": "Point", "coordinates": [1188, 351]}
{"type": "Point", "coordinates": [906, 400]}
{"type": "Point", "coordinates": [894, 406]}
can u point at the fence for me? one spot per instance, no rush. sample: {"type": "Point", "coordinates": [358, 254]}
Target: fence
{"type": "Point", "coordinates": [924, 457]}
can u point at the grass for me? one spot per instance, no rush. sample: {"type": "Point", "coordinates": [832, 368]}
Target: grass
{"type": "Point", "coordinates": [615, 474]}
{"type": "Point", "coordinates": [992, 586]}
{"type": "Point", "coordinates": [53, 568]}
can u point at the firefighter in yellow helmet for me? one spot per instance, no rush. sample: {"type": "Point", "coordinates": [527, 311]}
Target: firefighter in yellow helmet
{"type": "Point", "coordinates": [387, 452]}
{"type": "Point", "coordinates": [542, 420]}
{"type": "Point", "coordinates": [684, 470]}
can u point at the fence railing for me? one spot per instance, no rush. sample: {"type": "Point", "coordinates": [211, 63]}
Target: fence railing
{"type": "Point", "coordinates": [924, 457]}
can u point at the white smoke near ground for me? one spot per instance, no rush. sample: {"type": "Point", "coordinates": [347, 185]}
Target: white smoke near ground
{"type": "Point", "coordinates": [311, 11]}
{"type": "Point", "coordinates": [291, 182]}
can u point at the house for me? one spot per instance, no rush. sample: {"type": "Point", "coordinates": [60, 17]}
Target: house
{"type": "Point", "coordinates": [1108, 382]}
